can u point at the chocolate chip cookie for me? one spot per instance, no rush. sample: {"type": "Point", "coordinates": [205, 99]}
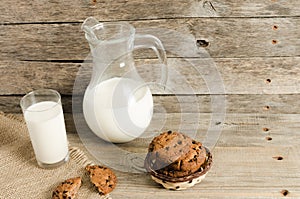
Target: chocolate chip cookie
{"type": "Point", "coordinates": [188, 163]}
{"type": "Point", "coordinates": [102, 177]}
{"type": "Point", "coordinates": [185, 163]}
{"type": "Point", "coordinates": [167, 147]}
{"type": "Point", "coordinates": [67, 189]}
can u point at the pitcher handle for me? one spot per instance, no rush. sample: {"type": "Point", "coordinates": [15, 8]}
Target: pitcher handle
{"type": "Point", "coordinates": [150, 41]}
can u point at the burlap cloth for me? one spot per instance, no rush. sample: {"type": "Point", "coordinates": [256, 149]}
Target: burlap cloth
{"type": "Point", "coordinates": [20, 175]}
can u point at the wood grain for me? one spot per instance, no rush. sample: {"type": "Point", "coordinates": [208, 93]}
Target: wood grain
{"type": "Point", "coordinates": [237, 76]}
{"type": "Point", "coordinates": [244, 85]}
{"type": "Point", "coordinates": [246, 130]}
{"type": "Point", "coordinates": [236, 129]}
{"type": "Point", "coordinates": [247, 173]}
{"type": "Point", "coordinates": [226, 36]}
{"type": "Point", "coordinates": [77, 10]}
{"type": "Point", "coordinates": [224, 129]}
{"type": "Point", "coordinates": [243, 160]}
{"type": "Point", "coordinates": [272, 104]}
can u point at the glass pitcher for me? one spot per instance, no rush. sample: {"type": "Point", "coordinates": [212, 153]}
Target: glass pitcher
{"type": "Point", "coordinates": [118, 104]}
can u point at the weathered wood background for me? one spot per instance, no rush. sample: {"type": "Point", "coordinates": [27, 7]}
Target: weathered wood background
{"type": "Point", "coordinates": [255, 46]}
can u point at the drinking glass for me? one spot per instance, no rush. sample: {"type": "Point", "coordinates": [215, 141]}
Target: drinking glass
{"type": "Point", "coordinates": [44, 118]}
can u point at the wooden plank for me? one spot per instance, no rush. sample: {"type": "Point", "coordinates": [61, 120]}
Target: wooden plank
{"type": "Point", "coordinates": [235, 176]}
{"type": "Point", "coordinates": [77, 10]}
{"type": "Point", "coordinates": [227, 37]}
{"type": "Point", "coordinates": [237, 76]}
{"type": "Point", "coordinates": [244, 163]}
{"type": "Point", "coordinates": [22, 77]}
{"type": "Point", "coordinates": [255, 46]}
{"type": "Point", "coordinates": [244, 166]}
{"type": "Point", "coordinates": [271, 104]}
{"type": "Point", "coordinates": [237, 172]}
{"type": "Point", "coordinates": [237, 130]}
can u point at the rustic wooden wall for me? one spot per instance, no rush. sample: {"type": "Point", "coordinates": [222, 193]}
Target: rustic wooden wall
{"type": "Point", "coordinates": [255, 45]}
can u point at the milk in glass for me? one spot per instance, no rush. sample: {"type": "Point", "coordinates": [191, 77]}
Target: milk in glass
{"type": "Point", "coordinates": [45, 122]}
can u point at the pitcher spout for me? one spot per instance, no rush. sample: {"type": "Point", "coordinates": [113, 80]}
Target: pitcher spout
{"type": "Point", "coordinates": [89, 25]}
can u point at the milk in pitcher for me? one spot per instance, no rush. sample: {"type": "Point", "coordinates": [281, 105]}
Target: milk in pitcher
{"type": "Point", "coordinates": [117, 110]}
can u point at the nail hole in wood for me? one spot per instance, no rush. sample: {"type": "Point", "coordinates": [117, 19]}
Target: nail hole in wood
{"type": "Point", "coordinates": [278, 158]}
{"type": "Point", "coordinates": [268, 81]}
{"type": "Point", "coordinates": [269, 138]}
{"type": "Point", "coordinates": [274, 41]}
{"type": "Point", "coordinates": [266, 108]}
{"type": "Point", "coordinates": [284, 192]}
{"type": "Point", "coordinates": [275, 27]}
{"type": "Point", "coordinates": [202, 43]}
{"type": "Point", "coordinates": [266, 129]}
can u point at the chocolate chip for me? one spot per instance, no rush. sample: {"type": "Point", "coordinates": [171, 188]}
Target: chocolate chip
{"type": "Point", "coordinates": [194, 142]}
{"type": "Point", "coordinates": [65, 191]}
{"type": "Point", "coordinates": [177, 187]}
{"type": "Point", "coordinates": [110, 186]}
{"type": "Point", "coordinates": [190, 181]}
{"type": "Point", "coordinates": [151, 148]}
{"type": "Point", "coordinates": [169, 132]}
{"type": "Point", "coordinates": [167, 148]}
{"type": "Point", "coordinates": [179, 142]}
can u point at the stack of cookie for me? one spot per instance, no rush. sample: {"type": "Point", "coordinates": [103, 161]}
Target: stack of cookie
{"type": "Point", "coordinates": [176, 161]}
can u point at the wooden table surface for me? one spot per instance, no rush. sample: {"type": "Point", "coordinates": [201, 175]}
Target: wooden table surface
{"type": "Point", "coordinates": [253, 45]}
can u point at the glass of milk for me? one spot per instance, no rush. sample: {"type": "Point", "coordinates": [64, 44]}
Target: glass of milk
{"type": "Point", "coordinates": [43, 114]}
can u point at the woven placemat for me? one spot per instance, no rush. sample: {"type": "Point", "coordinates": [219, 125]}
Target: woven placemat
{"type": "Point", "coordinates": [20, 175]}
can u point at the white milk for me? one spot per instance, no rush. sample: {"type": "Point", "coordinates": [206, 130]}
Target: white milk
{"type": "Point", "coordinates": [45, 122]}
{"type": "Point", "coordinates": [116, 113]}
